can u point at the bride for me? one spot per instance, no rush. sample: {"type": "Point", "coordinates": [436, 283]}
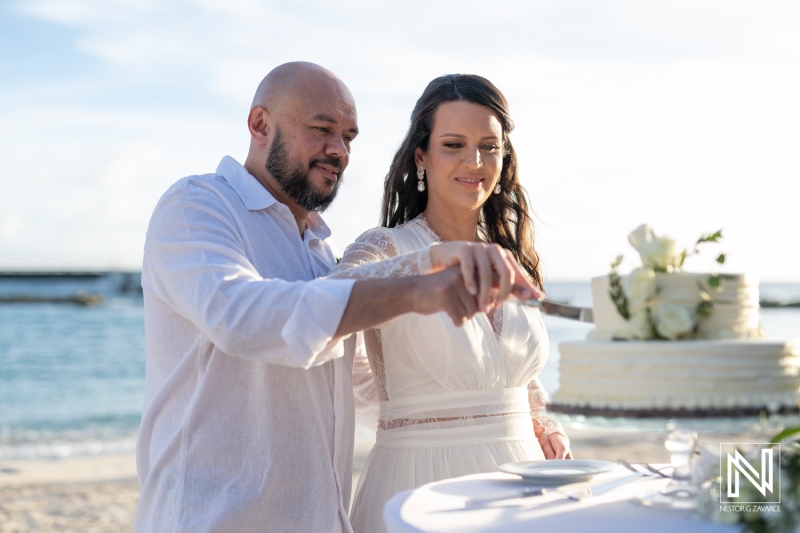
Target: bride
{"type": "Point", "coordinates": [450, 400]}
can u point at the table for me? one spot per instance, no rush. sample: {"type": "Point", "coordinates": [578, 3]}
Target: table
{"type": "Point", "coordinates": [443, 507]}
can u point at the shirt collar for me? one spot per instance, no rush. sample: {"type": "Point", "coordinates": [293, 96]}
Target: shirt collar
{"type": "Point", "coordinates": [254, 196]}
{"type": "Point", "coordinates": [316, 228]}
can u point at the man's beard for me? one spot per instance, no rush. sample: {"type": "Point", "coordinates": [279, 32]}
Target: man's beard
{"type": "Point", "coordinates": [294, 180]}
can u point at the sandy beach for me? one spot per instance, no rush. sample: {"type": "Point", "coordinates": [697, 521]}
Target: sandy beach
{"type": "Point", "coordinates": [98, 494]}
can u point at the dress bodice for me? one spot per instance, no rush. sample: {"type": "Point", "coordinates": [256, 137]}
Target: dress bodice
{"type": "Point", "coordinates": [422, 367]}
{"type": "Point", "coordinates": [448, 400]}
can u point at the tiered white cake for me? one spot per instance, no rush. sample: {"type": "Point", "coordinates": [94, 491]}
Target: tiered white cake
{"type": "Point", "coordinates": [735, 305]}
{"type": "Point", "coordinates": [721, 366]}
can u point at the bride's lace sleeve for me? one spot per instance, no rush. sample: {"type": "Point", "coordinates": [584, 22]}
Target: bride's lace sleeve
{"type": "Point", "coordinates": [365, 390]}
{"type": "Point", "coordinates": [538, 399]}
{"type": "Point", "coordinates": [374, 256]}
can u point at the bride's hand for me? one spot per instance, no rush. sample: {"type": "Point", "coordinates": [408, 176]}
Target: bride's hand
{"type": "Point", "coordinates": [555, 446]}
{"type": "Point", "coordinates": [490, 272]}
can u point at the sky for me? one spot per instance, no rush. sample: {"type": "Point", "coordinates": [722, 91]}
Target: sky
{"type": "Point", "coordinates": [684, 115]}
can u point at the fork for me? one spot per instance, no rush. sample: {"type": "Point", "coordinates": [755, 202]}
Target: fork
{"type": "Point", "coordinates": [655, 471]}
{"type": "Point", "coordinates": [651, 471]}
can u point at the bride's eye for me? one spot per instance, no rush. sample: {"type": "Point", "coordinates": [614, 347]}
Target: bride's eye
{"type": "Point", "coordinates": [453, 145]}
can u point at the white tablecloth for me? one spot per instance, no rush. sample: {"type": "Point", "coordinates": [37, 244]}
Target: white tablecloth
{"type": "Point", "coordinates": [443, 507]}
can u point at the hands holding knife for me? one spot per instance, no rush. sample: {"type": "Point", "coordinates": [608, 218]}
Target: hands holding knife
{"type": "Point", "coordinates": [492, 275]}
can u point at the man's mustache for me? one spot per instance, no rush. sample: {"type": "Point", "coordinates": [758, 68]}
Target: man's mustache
{"type": "Point", "coordinates": [328, 161]}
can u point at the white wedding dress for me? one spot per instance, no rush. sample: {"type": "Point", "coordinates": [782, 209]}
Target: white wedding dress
{"type": "Point", "coordinates": [448, 401]}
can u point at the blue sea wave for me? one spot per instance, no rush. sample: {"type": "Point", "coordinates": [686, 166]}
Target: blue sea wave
{"type": "Point", "coordinates": [80, 436]}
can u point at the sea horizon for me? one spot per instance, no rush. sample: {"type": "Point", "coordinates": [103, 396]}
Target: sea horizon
{"type": "Point", "coordinates": [72, 376]}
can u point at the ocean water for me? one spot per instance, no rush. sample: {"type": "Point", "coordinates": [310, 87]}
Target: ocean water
{"type": "Point", "coordinates": [72, 376]}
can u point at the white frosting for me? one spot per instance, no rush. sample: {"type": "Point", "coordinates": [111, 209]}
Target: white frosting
{"type": "Point", "coordinates": [735, 315]}
{"type": "Point", "coordinates": [732, 369]}
{"type": "Point", "coordinates": [679, 375]}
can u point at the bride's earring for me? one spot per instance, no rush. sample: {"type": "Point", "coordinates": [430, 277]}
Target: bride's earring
{"type": "Point", "coordinates": [498, 189]}
{"type": "Point", "coordinates": [420, 177]}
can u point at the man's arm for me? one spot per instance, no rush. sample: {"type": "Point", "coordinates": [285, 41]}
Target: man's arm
{"type": "Point", "coordinates": [468, 278]}
{"type": "Point", "coordinates": [196, 264]}
{"type": "Point", "coordinates": [375, 301]}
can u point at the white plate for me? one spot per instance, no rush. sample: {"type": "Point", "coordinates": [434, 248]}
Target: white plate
{"type": "Point", "coordinates": [557, 471]}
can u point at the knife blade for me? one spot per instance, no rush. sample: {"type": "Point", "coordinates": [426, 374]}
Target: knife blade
{"type": "Point", "coordinates": [572, 312]}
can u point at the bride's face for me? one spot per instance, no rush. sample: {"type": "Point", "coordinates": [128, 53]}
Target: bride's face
{"type": "Point", "coordinates": [464, 157]}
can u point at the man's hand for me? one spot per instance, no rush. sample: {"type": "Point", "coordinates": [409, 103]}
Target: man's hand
{"type": "Point", "coordinates": [469, 277]}
{"type": "Point", "coordinates": [444, 291]}
{"type": "Point", "coordinates": [489, 272]}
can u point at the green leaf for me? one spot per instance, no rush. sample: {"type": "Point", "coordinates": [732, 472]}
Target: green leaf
{"type": "Point", "coordinates": [786, 433]}
{"type": "Point", "coordinates": [615, 290]}
{"type": "Point", "coordinates": [721, 259]}
{"type": "Point", "coordinates": [714, 237]}
{"type": "Point", "coordinates": [714, 282]}
{"type": "Point", "coordinates": [705, 309]}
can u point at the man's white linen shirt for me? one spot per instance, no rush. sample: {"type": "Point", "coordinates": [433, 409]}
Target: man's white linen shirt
{"type": "Point", "coordinates": [248, 417]}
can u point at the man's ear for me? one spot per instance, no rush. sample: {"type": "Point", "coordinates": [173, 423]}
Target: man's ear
{"type": "Point", "coordinates": [258, 122]}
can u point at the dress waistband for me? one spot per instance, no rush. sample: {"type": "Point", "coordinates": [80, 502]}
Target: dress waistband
{"type": "Point", "coordinates": [457, 418]}
{"type": "Point", "coordinates": [490, 429]}
{"type": "Point", "coordinates": [514, 400]}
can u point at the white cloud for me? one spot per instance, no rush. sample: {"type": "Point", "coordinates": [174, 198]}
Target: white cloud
{"type": "Point", "coordinates": [11, 225]}
{"type": "Point", "coordinates": [680, 114]}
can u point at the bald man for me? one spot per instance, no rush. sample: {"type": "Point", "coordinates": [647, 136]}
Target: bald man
{"type": "Point", "coordinates": [248, 420]}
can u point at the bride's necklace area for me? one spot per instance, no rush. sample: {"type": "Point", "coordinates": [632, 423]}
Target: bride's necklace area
{"type": "Point", "coordinates": [427, 227]}
{"type": "Point", "coordinates": [496, 313]}
{"type": "Point", "coordinates": [436, 237]}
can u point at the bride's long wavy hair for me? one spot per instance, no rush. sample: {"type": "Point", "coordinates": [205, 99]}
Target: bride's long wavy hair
{"type": "Point", "coordinates": [504, 217]}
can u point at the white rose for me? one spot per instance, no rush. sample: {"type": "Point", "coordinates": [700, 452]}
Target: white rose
{"type": "Point", "coordinates": [673, 320]}
{"type": "Point", "coordinates": [639, 286]}
{"type": "Point", "coordinates": [641, 237]}
{"type": "Point", "coordinates": [639, 326]}
{"type": "Point", "coordinates": [656, 252]}
{"type": "Point", "coordinates": [663, 255]}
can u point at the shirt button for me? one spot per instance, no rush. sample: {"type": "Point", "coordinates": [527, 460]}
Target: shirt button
{"type": "Point", "coordinates": [338, 395]}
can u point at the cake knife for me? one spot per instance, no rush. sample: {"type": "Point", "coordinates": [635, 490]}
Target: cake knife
{"type": "Point", "coordinates": [549, 307]}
